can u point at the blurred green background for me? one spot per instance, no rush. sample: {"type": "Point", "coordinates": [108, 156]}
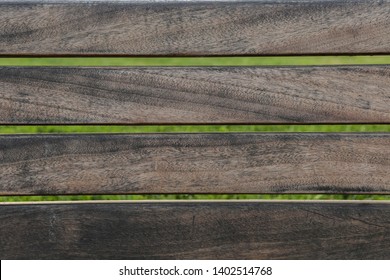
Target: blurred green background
{"type": "Point", "coordinates": [202, 61]}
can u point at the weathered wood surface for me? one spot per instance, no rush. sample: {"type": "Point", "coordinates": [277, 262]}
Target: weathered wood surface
{"type": "Point", "coordinates": [196, 230]}
{"type": "Point", "coordinates": [186, 95]}
{"type": "Point", "coordinates": [195, 163]}
{"type": "Point", "coordinates": [192, 28]}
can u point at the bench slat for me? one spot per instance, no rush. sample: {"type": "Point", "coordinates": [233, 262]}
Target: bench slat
{"type": "Point", "coordinates": [187, 95]}
{"type": "Point", "coordinates": [195, 163]}
{"type": "Point", "coordinates": [196, 230]}
{"type": "Point", "coordinates": [194, 28]}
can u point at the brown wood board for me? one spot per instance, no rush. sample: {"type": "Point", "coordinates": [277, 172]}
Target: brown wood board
{"type": "Point", "coordinates": [195, 163]}
{"type": "Point", "coordinates": [196, 230]}
{"type": "Point", "coordinates": [193, 28]}
{"type": "Point", "coordinates": [194, 95]}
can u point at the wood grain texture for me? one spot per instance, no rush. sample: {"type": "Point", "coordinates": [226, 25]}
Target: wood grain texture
{"type": "Point", "coordinates": [187, 95]}
{"type": "Point", "coordinates": [195, 163]}
{"type": "Point", "coordinates": [196, 230]}
{"type": "Point", "coordinates": [194, 28]}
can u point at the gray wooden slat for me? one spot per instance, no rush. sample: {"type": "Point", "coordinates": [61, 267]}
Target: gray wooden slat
{"type": "Point", "coordinates": [187, 95]}
{"type": "Point", "coordinates": [196, 230]}
{"type": "Point", "coordinates": [194, 28]}
{"type": "Point", "coordinates": [195, 163]}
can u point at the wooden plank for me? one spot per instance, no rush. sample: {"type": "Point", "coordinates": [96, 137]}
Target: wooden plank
{"type": "Point", "coordinates": [196, 230]}
{"type": "Point", "coordinates": [187, 95]}
{"type": "Point", "coordinates": [195, 163]}
{"type": "Point", "coordinates": [194, 28]}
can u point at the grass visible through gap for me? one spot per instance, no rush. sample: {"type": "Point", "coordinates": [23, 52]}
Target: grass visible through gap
{"type": "Point", "coordinates": [195, 61]}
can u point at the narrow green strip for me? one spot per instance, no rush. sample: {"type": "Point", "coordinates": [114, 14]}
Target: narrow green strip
{"type": "Point", "coordinates": [191, 128]}
{"type": "Point", "coordinates": [194, 61]}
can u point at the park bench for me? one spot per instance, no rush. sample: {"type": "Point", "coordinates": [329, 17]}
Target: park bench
{"type": "Point", "coordinates": [197, 163]}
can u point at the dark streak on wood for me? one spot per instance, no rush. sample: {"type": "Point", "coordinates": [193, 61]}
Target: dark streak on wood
{"type": "Point", "coordinates": [180, 95]}
{"type": "Point", "coordinates": [222, 230]}
{"type": "Point", "coordinates": [194, 28]}
{"type": "Point", "coordinates": [195, 163]}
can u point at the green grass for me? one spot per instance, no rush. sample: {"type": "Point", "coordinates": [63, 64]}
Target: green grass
{"type": "Point", "coordinates": [199, 61]}
{"type": "Point", "coordinates": [190, 129]}
{"type": "Point", "coordinates": [214, 61]}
